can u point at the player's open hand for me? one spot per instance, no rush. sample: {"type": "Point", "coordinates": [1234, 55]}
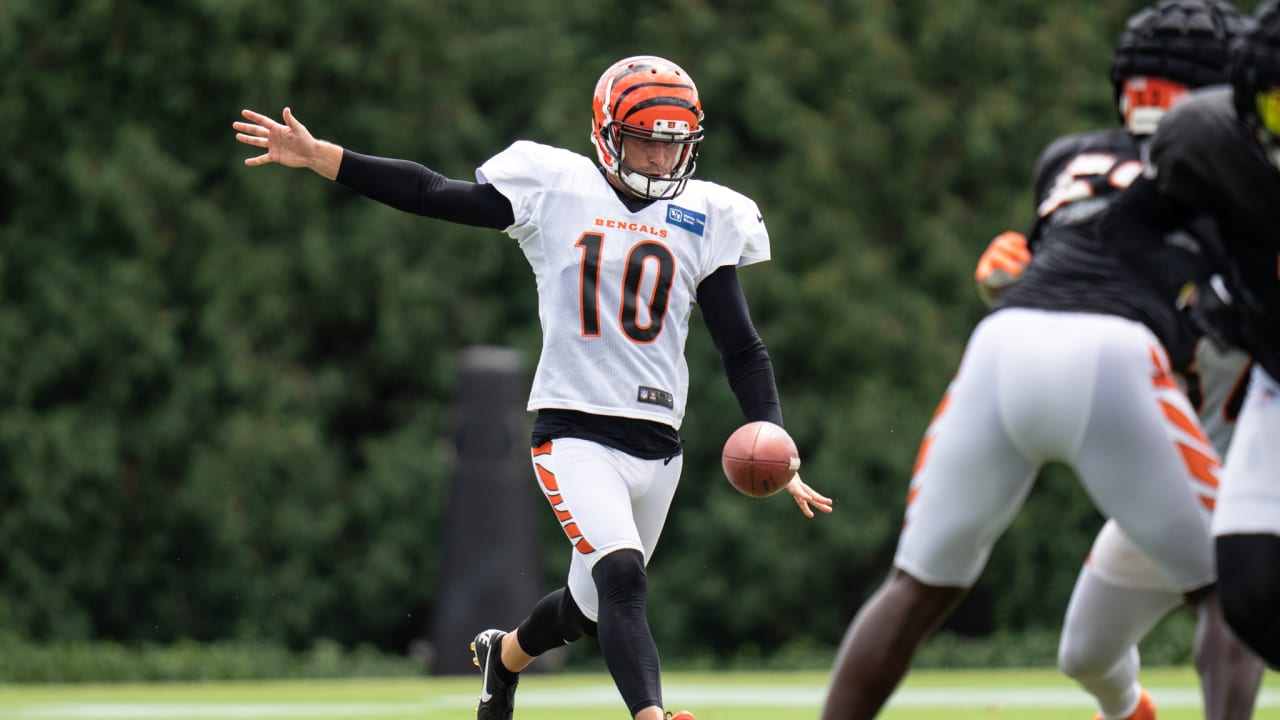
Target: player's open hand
{"type": "Point", "coordinates": [288, 143]}
{"type": "Point", "coordinates": [807, 498]}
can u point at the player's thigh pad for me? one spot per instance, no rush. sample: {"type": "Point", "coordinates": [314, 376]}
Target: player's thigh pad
{"type": "Point", "coordinates": [605, 500]}
{"type": "Point", "coordinates": [1249, 501]}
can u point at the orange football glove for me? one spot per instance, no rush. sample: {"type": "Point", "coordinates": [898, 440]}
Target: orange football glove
{"type": "Point", "coordinates": [1002, 264]}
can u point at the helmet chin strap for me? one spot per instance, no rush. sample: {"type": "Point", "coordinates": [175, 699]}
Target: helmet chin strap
{"type": "Point", "coordinates": [647, 187]}
{"type": "Point", "coordinates": [1143, 120]}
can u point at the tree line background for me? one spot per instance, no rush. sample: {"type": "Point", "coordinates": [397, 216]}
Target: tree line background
{"type": "Point", "coordinates": [227, 391]}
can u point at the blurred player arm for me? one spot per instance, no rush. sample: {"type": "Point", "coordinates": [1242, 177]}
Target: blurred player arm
{"type": "Point", "coordinates": [1149, 231]}
{"type": "Point", "coordinates": [746, 361]}
{"type": "Point", "coordinates": [1001, 264]}
{"type": "Point", "coordinates": [1179, 251]}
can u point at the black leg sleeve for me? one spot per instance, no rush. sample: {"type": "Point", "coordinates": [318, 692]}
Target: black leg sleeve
{"type": "Point", "coordinates": [625, 639]}
{"type": "Point", "coordinates": [554, 622]}
{"type": "Point", "coordinates": [1249, 589]}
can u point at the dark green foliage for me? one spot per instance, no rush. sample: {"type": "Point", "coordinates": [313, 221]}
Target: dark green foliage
{"type": "Point", "coordinates": [226, 390]}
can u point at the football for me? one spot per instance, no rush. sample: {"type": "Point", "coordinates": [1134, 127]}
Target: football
{"type": "Point", "coordinates": [759, 459]}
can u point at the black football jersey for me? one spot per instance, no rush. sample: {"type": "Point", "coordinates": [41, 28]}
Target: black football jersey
{"type": "Point", "coordinates": [1076, 178]}
{"type": "Point", "coordinates": [1203, 164]}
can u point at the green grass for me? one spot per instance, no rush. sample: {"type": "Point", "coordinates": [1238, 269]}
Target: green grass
{"type": "Point", "coordinates": [927, 695]}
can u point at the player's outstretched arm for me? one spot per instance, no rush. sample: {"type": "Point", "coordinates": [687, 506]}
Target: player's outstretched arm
{"type": "Point", "coordinates": [807, 498]}
{"type": "Point", "coordinates": [288, 143]}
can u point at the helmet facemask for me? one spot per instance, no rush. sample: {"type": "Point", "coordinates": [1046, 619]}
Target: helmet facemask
{"type": "Point", "coordinates": [650, 99]}
{"type": "Point", "coordinates": [1144, 100]}
{"type": "Point", "coordinates": [648, 185]}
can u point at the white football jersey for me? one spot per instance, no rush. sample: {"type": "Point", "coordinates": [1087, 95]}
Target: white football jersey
{"type": "Point", "coordinates": [616, 288]}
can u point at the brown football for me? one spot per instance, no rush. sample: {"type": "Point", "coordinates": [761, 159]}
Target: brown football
{"type": "Point", "coordinates": [759, 459]}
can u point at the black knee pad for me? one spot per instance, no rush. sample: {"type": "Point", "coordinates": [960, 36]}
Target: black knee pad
{"type": "Point", "coordinates": [621, 579]}
{"type": "Point", "coordinates": [1249, 590]}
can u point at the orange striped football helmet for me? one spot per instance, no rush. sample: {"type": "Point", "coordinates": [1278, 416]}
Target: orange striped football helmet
{"type": "Point", "coordinates": [652, 99]}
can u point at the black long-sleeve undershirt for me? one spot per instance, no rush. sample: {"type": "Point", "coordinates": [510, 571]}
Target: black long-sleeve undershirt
{"type": "Point", "coordinates": [746, 361]}
{"type": "Point", "coordinates": [415, 188]}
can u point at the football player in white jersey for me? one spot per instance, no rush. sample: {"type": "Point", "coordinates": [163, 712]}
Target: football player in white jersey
{"type": "Point", "coordinates": [622, 248]}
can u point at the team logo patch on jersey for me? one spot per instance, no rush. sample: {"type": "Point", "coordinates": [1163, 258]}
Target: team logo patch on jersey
{"type": "Point", "coordinates": [694, 222]}
{"type": "Point", "coordinates": [654, 396]}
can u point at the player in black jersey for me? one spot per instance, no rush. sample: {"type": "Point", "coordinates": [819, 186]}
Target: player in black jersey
{"type": "Point", "coordinates": [1214, 173]}
{"type": "Point", "coordinates": [1069, 368]}
{"type": "Point", "coordinates": [1120, 594]}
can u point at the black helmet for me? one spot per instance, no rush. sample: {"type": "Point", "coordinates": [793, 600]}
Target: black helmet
{"type": "Point", "coordinates": [1255, 69]}
{"type": "Point", "coordinates": [1183, 41]}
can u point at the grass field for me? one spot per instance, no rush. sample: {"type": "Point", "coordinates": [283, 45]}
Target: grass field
{"type": "Point", "coordinates": [1042, 694]}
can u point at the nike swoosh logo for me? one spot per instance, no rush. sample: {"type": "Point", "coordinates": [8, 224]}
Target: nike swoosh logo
{"type": "Point", "coordinates": [485, 695]}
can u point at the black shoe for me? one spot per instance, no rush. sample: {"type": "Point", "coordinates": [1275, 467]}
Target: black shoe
{"type": "Point", "coordinates": [497, 698]}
